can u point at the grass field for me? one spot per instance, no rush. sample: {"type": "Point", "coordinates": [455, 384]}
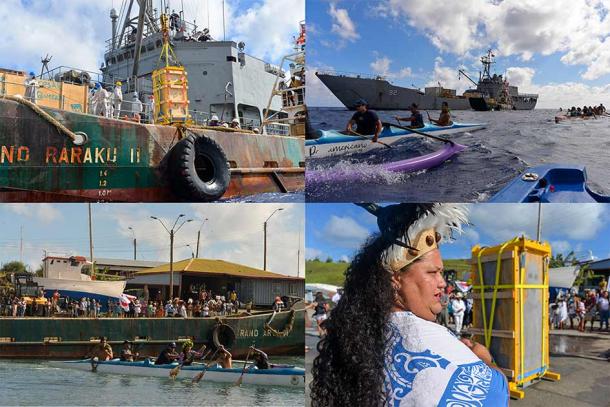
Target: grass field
{"type": "Point", "coordinates": [332, 273]}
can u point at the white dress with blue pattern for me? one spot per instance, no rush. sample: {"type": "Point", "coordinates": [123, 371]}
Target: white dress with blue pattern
{"type": "Point", "coordinates": [426, 365]}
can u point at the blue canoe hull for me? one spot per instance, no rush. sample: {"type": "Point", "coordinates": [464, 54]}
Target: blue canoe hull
{"type": "Point", "coordinates": [550, 183]}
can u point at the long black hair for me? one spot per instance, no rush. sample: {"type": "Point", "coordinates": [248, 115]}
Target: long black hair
{"type": "Point", "coordinates": [349, 368]}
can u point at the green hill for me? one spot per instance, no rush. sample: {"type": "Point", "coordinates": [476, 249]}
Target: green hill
{"type": "Point", "coordinates": [332, 273]}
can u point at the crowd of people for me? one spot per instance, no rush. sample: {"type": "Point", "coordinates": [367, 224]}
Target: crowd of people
{"type": "Point", "coordinates": [586, 111]}
{"type": "Point", "coordinates": [581, 310]}
{"type": "Point", "coordinates": [206, 304]}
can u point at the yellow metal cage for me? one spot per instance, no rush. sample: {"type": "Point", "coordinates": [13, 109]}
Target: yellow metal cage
{"type": "Point", "coordinates": [510, 308]}
{"type": "Point", "coordinates": [170, 87]}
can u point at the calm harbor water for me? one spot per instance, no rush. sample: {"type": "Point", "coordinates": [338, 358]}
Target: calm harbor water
{"type": "Point", "coordinates": [512, 142]}
{"type": "Point", "coordinates": [36, 383]}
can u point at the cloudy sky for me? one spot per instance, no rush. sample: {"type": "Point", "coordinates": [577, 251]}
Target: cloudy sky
{"type": "Point", "coordinates": [559, 49]}
{"type": "Point", "coordinates": [233, 232]}
{"type": "Point", "coordinates": [74, 32]}
{"type": "Point", "coordinates": [338, 230]}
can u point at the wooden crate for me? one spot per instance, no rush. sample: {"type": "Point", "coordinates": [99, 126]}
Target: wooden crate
{"type": "Point", "coordinates": [56, 95]}
{"type": "Point", "coordinates": [510, 308]}
{"type": "Point", "coordinates": [170, 87]}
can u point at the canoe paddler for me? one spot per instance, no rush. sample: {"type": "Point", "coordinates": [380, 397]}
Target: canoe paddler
{"type": "Point", "coordinates": [103, 350]}
{"type": "Point", "coordinates": [225, 359]}
{"type": "Point", "coordinates": [188, 355]}
{"type": "Point", "coordinates": [261, 360]}
{"type": "Point", "coordinates": [416, 118]}
{"type": "Point", "coordinates": [168, 355]}
{"type": "Point", "coordinates": [445, 118]}
{"type": "Point", "coordinates": [127, 354]}
{"type": "Point", "coordinates": [367, 122]}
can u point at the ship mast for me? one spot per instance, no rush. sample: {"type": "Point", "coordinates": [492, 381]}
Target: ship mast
{"type": "Point", "coordinates": [293, 98]}
{"type": "Point", "coordinates": [487, 61]}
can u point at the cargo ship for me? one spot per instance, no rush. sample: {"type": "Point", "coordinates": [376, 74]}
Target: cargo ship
{"type": "Point", "coordinates": [163, 143]}
{"type": "Point", "coordinates": [383, 95]}
{"type": "Point", "coordinates": [493, 92]}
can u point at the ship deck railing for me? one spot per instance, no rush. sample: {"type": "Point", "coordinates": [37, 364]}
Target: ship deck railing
{"type": "Point", "coordinates": [526, 95]}
{"type": "Point", "coordinates": [353, 75]}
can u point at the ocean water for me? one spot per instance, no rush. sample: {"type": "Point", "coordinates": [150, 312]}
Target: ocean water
{"type": "Point", "coordinates": [512, 142]}
{"type": "Point", "coordinates": [36, 383]}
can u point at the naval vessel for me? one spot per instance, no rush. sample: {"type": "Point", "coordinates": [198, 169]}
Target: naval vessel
{"type": "Point", "coordinates": [56, 146]}
{"type": "Point", "coordinates": [383, 95]}
{"type": "Point", "coordinates": [493, 92]}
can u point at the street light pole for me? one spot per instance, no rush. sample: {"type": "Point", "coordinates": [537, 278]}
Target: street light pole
{"type": "Point", "coordinates": [172, 234]}
{"type": "Point", "coordinates": [265, 238]}
{"type": "Point", "coordinates": [135, 243]}
{"type": "Point", "coordinates": [199, 235]}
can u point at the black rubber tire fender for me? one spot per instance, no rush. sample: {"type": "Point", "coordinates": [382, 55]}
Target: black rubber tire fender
{"type": "Point", "coordinates": [223, 334]}
{"type": "Point", "coordinates": [199, 169]}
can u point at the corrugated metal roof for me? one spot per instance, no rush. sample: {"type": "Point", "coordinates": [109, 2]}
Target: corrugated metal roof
{"type": "Point", "coordinates": [208, 266]}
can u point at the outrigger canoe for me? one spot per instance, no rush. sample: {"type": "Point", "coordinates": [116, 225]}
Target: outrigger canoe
{"type": "Point", "coordinates": [550, 183]}
{"type": "Point", "coordinates": [409, 165]}
{"type": "Point", "coordinates": [334, 142]}
{"type": "Point", "coordinates": [284, 376]}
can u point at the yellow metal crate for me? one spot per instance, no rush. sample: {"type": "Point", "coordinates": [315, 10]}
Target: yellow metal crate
{"type": "Point", "coordinates": [170, 87]}
{"type": "Point", "coordinates": [510, 308]}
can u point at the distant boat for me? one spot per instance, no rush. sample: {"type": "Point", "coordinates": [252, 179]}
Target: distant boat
{"type": "Point", "coordinates": [64, 274]}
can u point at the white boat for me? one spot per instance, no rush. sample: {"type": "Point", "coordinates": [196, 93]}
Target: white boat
{"type": "Point", "coordinates": [335, 143]}
{"type": "Point", "coordinates": [280, 376]}
{"type": "Point", "coordinates": [64, 275]}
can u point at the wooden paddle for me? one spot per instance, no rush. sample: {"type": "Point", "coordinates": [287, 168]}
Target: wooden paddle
{"type": "Point", "coordinates": [199, 376]}
{"type": "Point", "coordinates": [421, 133]}
{"type": "Point", "coordinates": [369, 138]}
{"type": "Point", "coordinates": [241, 377]}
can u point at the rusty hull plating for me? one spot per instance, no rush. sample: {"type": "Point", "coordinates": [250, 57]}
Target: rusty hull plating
{"type": "Point", "coordinates": [124, 161]}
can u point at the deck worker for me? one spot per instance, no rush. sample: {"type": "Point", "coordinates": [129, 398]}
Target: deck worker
{"type": "Point", "coordinates": [31, 88]}
{"type": "Point", "coordinates": [392, 295]}
{"type": "Point", "coordinates": [117, 99]}
{"type": "Point", "coordinates": [137, 108]}
{"type": "Point", "coordinates": [103, 350]}
{"type": "Point", "coordinates": [225, 359]}
{"type": "Point", "coordinates": [174, 21]}
{"type": "Point", "coordinates": [367, 122]}
{"type": "Point", "coordinates": [214, 121]}
{"type": "Point", "coordinates": [168, 355]}
{"type": "Point", "coordinates": [416, 118]}
{"type": "Point", "coordinates": [261, 360]}
{"type": "Point", "coordinates": [445, 117]}
{"type": "Point", "coordinates": [235, 124]}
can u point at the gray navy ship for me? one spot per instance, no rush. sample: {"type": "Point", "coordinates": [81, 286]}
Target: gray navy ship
{"type": "Point", "coordinates": [382, 95]}
{"type": "Point", "coordinates": [493, 92]}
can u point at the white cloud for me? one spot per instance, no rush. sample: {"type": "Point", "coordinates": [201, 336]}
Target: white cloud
{"type": "Point", "coordinates": [75, 34]}
{"type": "Point", "coordinates": [317, 93]}
{"type": "Point", "coordinates": [345, 259]}
{"type": "Point", "coordinates": [381, 66]}
{"type": "Point", "coordinates": [579, 30]}
{"type": "Point", "coordinates": [559, 221]}
{"type": "Point", "coordinates": [561, 246]}
{"type": "Point", "coordinates": [43, 212]}
{"type": "Point", "coordinates": [343, 25]}
{"type": "Point", "coordinates": [312, 253]}
{"type": "Point", "coordinates": [343, 231]}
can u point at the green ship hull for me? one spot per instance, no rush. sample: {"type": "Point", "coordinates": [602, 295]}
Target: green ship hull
{"type": "Point", "coordinates": [73, 338]}
{"type": "Point", "coordinates": [123, 161]}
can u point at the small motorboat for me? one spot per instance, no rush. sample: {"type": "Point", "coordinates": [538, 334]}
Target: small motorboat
{"type": "Point", "coordinates": [550, 183]}
{"type": "Point", "coordinates": [276, 376]}
{"type": "Point", "coordinates": [334, 142]}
